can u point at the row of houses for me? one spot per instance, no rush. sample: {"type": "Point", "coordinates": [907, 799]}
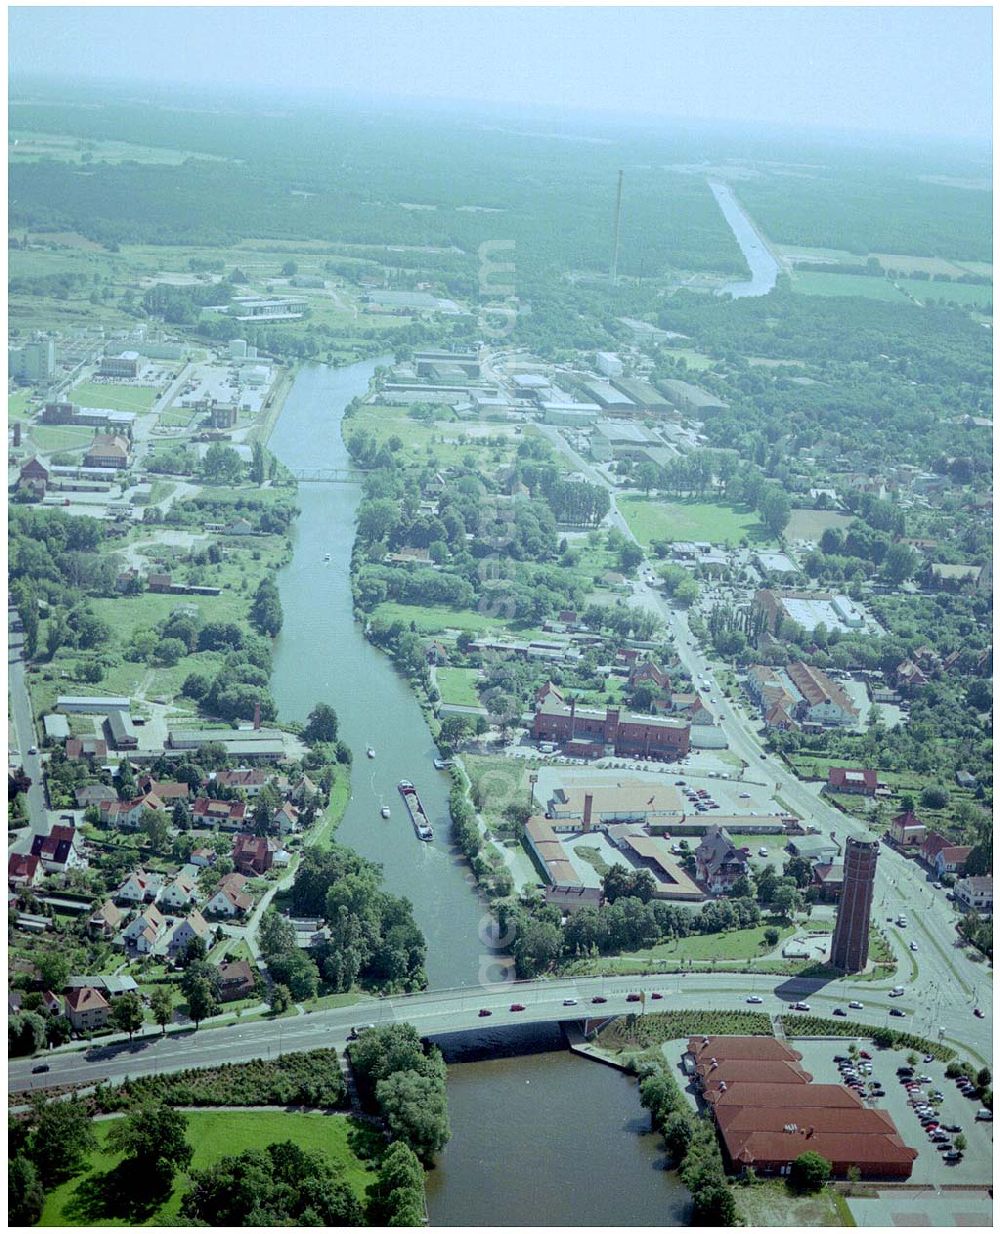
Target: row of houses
{"type": "Point", "coordinates": [587, 732]}
{"type": "Point", "coordinates": [799, 696]}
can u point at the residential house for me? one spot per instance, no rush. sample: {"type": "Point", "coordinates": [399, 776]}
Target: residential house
{"type": "Point", "coordinates": [933, 844]}
{"type": "Point", "coordinates": [286, 818]}
{"type": "Point", "coordinates": [828, 880]}
{"type": "Point", "coordinates": [951, 860]}
{"type": "Point", "coordinates": [122, 815]}
{"type": "Point", "coordinates": [33, 477]}
{"type": "Point", "coordinates": [252, 855]}
{"type": "Point", "coordinates": [648, 673]}
{"type": "Point", "coordinates": [975, 893]}
{"type": "Point", "coordinates": [24, 870]}
{"type": "Point", "coordinates": [303, 791]}
{"type": "Point", "coordinates": [94, 794]}
{"type": "Point", "coordinates": [186, 931]}
{"type": "Point", "coordinates": [86, 1009]}
{"type": "Point", "coordinates": [111, 987]}
{"type": "Point", "coordinates": [236, 980]}
{"type": "Point", "coordinates": [204, 857]}
{"type": "Point", "coordinates": [851, 780]}
{"type": "Point", "coordinates": [86, 747]}
{"type": "Point", "coordinates": [146, 930]}
{"type": "Point", "coordinates": [60, 850]}
{"type": "Point", "coordinates": [965, 779]}
{"type": "Point", "coordinates": [250, 780]}
{"type": "Point", "coordinates": [229, 815]}
{"type": "Point", "coordinates": [168, 791]}
{"type": "Point", "coordinates": [180, 894]}
{"type": "Point", "coordinates": [139, 888]}
{"type": "Point", "coordinates": [230, 899]}
{"type": "Point", "coordinates": [907, 831]}
{"type": "Point", "coordinates": [718, 862]}
{"type": "Point", "coordinates": [104, 923]}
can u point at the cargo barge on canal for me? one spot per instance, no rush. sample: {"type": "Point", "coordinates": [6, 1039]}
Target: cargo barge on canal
{"type": "Point", "coordinates": [418, 816]}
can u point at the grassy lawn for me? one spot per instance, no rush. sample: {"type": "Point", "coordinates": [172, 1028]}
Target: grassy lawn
{"type": "Point", "coordinates": [116, 397]}
{"type": "Point", "coordinates": [458, 686]}
{"type": "Point", "coordinates": [54, 438]}
{"type": "Point", "coordinates": [810, 524]}
{"type": "Point", "coordinates": [82, 1200]}
{"type": "Point", "coordinates": [811, 283]}
{"type": "Point", "coordinates": [592, 856]}
{"type": "Point", "coordinates": [738, 945]}
{"type": "Point", "coordinates": [19, 405]}
{"type": "Point", "coordinates": [651, 519]}
{"type": "Point", "coordinates": [771, 1203]}
{"type": "Point", "coordinates": [433, 618]}
{"type": "Point", "coordinates": [498, 782]}
{"type": "Point", "coordinates": [446, 441]}
{"type": "Point", "coordinates": [340, 795]}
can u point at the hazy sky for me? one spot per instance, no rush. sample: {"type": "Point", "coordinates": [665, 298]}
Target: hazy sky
{"type": "Point", "coordinates": [905, 70]}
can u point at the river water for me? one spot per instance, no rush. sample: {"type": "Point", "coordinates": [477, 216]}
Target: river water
{"type": "Point", "coordinates": [540, 1138]}
{"type": "Point", "coordinates": [763, 266]}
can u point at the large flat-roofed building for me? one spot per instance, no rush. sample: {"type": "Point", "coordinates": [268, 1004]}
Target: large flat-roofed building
{"type": "Point", "coordinates": [126, 365]}
{"type": "Point", "coordinates": [121, 422]}
{"type": "Point", "coordinates": [695, 400]}
{"type": "Point", "coordinates": [96, 704]}
{"type": "Point", "coordinates": [849, 949]}
{"type": "Point", "coordinates": [426, 360]}
{"type": "Point", "coordinates": [122, 731]}
{"type": "Point", "coordinates": [609, 364]}
{"type": "Point", "coordinates": [592, 731]}
{"type": "Point", "coordinates": [107, 450]}
{"type": "Point", "coordinates": [809, 610]}
{"type": "Point", "coordinates": [606, 395]}
{"type": "Point", "coordinates": [645, 396]}
{"type": "Point", "coordinates": [652, 853]}
{"type": "Point", "coordinates": [250, 308]}
{"type": "Point", "coordinates": [631, 801]}
{"type": "Point", "coordinates": [578, 415]}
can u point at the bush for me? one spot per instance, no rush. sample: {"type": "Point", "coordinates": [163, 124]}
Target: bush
{"type": "Point", "coordinates": [809, 1172]}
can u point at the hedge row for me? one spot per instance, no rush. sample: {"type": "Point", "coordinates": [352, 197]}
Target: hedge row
{"type": "Point", "coordinates": [311, 1079]}
{"type": "Point", "coordinates": [666, 1025]}
{"type": "Point", "coordinates": [887, 1038]}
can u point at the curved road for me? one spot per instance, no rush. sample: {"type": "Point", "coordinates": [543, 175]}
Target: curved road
{"type": "Point", "coordinates": [446, 1011]}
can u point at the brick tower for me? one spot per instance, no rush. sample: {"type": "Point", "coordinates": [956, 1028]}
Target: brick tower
{"type": "Point", "coordinates": [849, 951]}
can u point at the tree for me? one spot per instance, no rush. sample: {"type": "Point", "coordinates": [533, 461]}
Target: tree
{"type": "Point", "coordinates": [153, 1139]}
{"type": "Point", "coordinates": [290, 269]}
{"type": "Point", "coordinates": [25, 1195]}
{"type": "Point", "coordinates": [61, 1136]}
{"type": "Point", "coordinates": [775, 510]}
{"type": "Point", "coordinates": [961, 1143]}
{"type": "Point", "coordinates": [156, 829]}
{"type": "Point", "coordinates": [787, 899]}
{"type": "Point", "coordinates": [772, 935]}
{"type": "Point", "coordinates": [281, 999]}
{"type": "Point", "coordinates": [321, 725]}
{"type": "Point", "coordinates": [25, 1033]}
{"type": "Point", "coordinates": [222, 465]}
{"type": "Point", "coordinates": [809, 1171]}
{"type": "Point", "coordinates": [899, 562]}
{"type": "Point", "coordinates": [265, 612]}
{"type": "Point", "coordinates": [415, 1107]}
{"type": "Point", "coordinates": [161, 1004]}
{"type": "Point", "coordinates": [258, 467]}
{"type": "Point", "coordinates": [126, 1013]}
{"type": "Point", "coordinates": [934, 797]}
{"type": "Point", "coordinates": [200, 986]}
{"type": "Point", "coordinates": [53, 969]}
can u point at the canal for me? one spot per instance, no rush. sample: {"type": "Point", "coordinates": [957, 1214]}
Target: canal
{"type": "Point", "coordinates": [322, 655]}
{"type": "Point", "coordinates": [763, 266]}
{"type": "Point", "coordinates": [539, 1136]}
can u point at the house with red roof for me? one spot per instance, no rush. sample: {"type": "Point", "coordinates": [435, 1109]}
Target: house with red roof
{"type": "Point", "coordinates": [229, 815]}
{"type": "Point", "coordinates": [951, 860]}
{"type": "Point", "coordinates": [86, 747]}
{"type": "Point", "coordinates": [252, 855]}
{"type": "Point", "coordinates": [851, 780]}
{"type": "Point", "coordinates": [86, 1009]}
{"type": "Point", "coordinates": [907, 831]}
{"type": "Point", "coordinates": [60, 850]}
{"type": "Point", "coordinates": [24, 870]}
{"type": "Point", "coordinates": [230, 899]}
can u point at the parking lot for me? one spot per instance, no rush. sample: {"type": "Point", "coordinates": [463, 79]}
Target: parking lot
{"type": "Point", "coordinates": [930, 1166]}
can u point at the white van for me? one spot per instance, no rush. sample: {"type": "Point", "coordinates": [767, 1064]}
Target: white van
{"type": "Point", "coordinates": [897, 991]}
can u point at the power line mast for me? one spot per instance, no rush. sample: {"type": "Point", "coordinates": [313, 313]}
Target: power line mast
{"type": "Point", "coordinates": [613, 272]}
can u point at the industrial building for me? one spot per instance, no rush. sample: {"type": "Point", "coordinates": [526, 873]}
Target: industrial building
{"type": "Point", "coordinates": [692, 399]}
{"type": "Point", "coordinates": [251, 308]}
{"type": "Point", "coordinates": [632, 801]}
{"type": "Point", "coordinates": [589, 733]}
{"type": "Point", "coordinates": [126, 365]}
{"type": "Point", "coordinates": [34, 361]}
{"type": "Point", "coordinates": [107, 450]}
{"type": "Point", "coordinates": [116, 422]}
{"type": "Point", "coordinates": [797, 695]}
{"type": "Point", "coordinates": [809, 610]}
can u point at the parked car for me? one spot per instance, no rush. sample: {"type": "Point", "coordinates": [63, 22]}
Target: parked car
{"type": "Point", "coordinates": [863, 1054]}
{"type": "Point", "coordinates": [979, 1013]}
{"type": "Point", "coordinates": [954, 1128]}
{"type": "Point", "coordinates": [953, 1155]}
{"type": "Point", "coordinates": [984, 1116]}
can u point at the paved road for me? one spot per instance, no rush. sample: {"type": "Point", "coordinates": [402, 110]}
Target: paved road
{"type": "Point", "coordinates": [445, 1011]}
{"type": "Point", "coordinates": [24, 729]}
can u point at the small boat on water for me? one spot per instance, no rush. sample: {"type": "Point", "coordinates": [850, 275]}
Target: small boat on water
{"type": "Point", "coordinates": [442, 764]}
{"type": "Point", "coordinates": [385, 811]}
{"type": "Point", "coordinates": [370, 751]}
{"type": "Point", "coordinates": [326, 557]}
{"type": "Point", "coordinates": [418, 816]}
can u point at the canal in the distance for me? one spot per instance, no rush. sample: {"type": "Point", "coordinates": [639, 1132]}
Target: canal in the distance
{"type": "Point", "coordinates": [539, 1139]}
{"type": "Point", "coordinates": [763, 266]}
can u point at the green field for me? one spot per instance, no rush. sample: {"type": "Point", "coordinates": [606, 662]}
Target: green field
{"type": "Point", "coordinates": [810, 524]}
{"type": "Point", "coordinates": [59, 438]}
{"type": "Point", "coordinates": [811, 283]}
{"type": "Point", "coordinates": [651, 519]}
{"type": "Point", "coordinates": [458, 686]}
{"type": "Point", "coordinates": [19, 405]}
{"type": "Point", "coordinates": [115, 397]}
{"type": "Point", "coordinates": [433, 618]}
{"type": "Point", "coordinates": [738, 945]}
{"type": "Point", "coordinates": [773, 1203]}
{"type": "Point", "coordinates": [958, 293]}
{"type": "Point", "coordinates": [86, 1199]}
